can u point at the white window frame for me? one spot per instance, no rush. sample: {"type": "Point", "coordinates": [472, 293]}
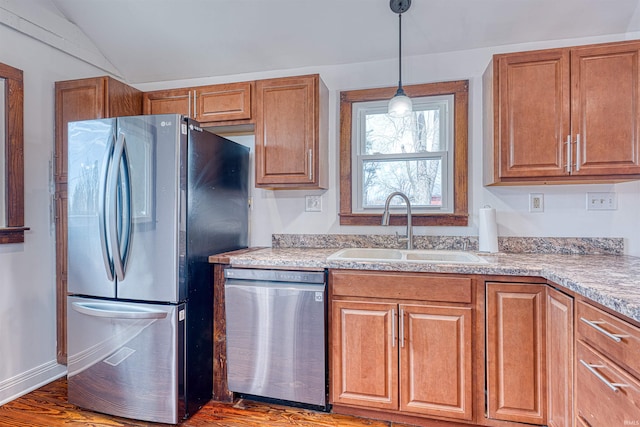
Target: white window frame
{"type": "Point", "coordinates": [359, 113]}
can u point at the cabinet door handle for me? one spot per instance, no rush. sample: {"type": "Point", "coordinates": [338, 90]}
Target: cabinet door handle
{"type": "Point", "coordinates": [595, 324]}
{"type": "Point", "coordinates": [195, 105]}
{"type": "Point", "coordinates": [401, 333]}
{"type": "Point", "coordinates": [615, 387]}
{"type": "Point", "coordinates": [568, 153]}
{"type": "Point", "coordinates": [393, 327]}
{"type": "Point", "coordinates": [577, 152]}
{"type": "Point", "coordinates": [189, 107]}
{"type": "Point", "coordinates": [310, 165]}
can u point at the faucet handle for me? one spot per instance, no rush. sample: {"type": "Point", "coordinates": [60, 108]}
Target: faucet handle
{"type": "Point", "coordinates": [401, 238]}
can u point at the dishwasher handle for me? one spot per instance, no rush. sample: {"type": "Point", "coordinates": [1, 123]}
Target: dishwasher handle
{"type": "Point", "coordinates": [273, 286]}
{"type": "Point", "coordinates": [250, 274]}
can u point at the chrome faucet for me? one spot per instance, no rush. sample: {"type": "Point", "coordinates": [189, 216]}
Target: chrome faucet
{"type": "Point", "coordinates": [386, 214]}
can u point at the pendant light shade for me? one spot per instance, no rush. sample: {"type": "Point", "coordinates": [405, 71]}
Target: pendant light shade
{"type": "Point", "coordinates": [400, 105]}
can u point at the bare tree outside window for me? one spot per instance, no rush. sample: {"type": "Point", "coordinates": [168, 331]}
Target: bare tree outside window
{"type": "Point", "coordinates": [407, 154]}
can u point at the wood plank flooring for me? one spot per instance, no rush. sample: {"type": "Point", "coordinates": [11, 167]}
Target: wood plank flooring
{"type": "Point", "coordinates": [48, 407]}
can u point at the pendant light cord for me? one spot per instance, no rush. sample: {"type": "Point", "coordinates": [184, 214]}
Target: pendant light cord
{"type": "Point", "coordinates": [400, 89]}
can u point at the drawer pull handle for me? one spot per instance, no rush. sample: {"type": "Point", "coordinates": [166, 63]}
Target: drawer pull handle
{"type": "Point", "coordinates": [595, 324]}
{"type": "Point", "coordinates": [615, 387]}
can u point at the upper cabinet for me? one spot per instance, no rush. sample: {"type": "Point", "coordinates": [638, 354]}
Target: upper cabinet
{"type": "Point", "coordinates": [206, 104]}
{"type": "Point", "coordinates": [289, 116]}
{"type": "Point", "coordinates": [291, 133]}
{"type": "Point", "coordinates": [563, 115]}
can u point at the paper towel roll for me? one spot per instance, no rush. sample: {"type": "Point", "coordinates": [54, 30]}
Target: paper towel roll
{"type": "Point", "coordinates": [487, 230]}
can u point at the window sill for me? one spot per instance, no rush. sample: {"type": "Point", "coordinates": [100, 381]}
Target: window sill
{"type": "Point", "coordinates": [12, 234]}
{"type": "Point", "coordinates": [456, 220]}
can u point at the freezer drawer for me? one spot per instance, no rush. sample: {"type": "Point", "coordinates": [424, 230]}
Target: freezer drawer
{"type": "Point", "coordinates": [127, 359]}
{"type": "Point", "coordinates": [276, 338]}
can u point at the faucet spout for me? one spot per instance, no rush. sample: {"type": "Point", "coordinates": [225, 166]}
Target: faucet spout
{"type": "Point", "coordinates": [386, 215]}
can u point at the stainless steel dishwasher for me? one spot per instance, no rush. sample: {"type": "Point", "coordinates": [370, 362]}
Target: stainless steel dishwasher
{"type": "Point", "coordinates": [276, 345]}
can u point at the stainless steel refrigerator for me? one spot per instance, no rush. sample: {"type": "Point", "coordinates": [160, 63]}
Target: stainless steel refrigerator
{"type": "Point", "coordinates": [149, 199]}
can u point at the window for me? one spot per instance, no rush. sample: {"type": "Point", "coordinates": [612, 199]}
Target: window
{"type": "Point", "coordinates": [423, 155]}
{"type": "Point", "coordinates": [12, 170]}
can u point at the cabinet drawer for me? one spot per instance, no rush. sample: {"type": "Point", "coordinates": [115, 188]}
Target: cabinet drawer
{"type": "Point", "coordinates": [414, 286]}
{"type": "Point", "coordinates": [616, 338]}
{"type": "Point", "coordinates": [224, 102]}
{"type": "Point", "coordinates": [605, 394]}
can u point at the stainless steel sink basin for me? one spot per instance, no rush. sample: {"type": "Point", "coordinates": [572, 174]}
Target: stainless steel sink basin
{"type": "Point", "coordinates": [405, 255]}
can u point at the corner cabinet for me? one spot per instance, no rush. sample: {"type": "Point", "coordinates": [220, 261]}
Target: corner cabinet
{"type": "Point", "coordinates": [207, 104]}
{"type": "Point", "coordinates": [564, 115]}
{"type": "Point", "coordinates": [402, 344]}
{"type": "Point", "coordinates": [84, 99]}
{"type": "Point", "coordinates": [291, 133]}
{"type": "Point", "coordinates": [529, 354]}
{"type": "Point", "coordinates": [515, 353]}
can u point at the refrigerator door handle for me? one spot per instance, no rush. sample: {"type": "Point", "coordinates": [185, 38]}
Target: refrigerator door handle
{"type": "Point", "coordinates": [116, 311]}
{"type": "Point", "coordinates": [121, 207]}
{"type": "Point", "coordinates": [107, 256]}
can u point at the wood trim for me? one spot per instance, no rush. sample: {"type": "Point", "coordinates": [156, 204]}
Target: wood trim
{"type": "Point", "coordinates": [220, 385]}
{"type": "Point", "coordinates": [13, 232]}
{"type": "Point", "coordinates": [459, 217]}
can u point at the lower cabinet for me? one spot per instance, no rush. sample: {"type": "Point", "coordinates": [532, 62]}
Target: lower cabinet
{"type": "Point", "coordinates": [408, 357]}
{"type": "Point", "coordinates": [529, 354]}
{"type": "Point", "coordinates": [607, 369]}
{"type": "Point", "coordinates": [515, 352]}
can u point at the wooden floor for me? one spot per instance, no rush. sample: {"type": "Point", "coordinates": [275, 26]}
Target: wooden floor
{"type": "Point", "coordinates": [48, 407]}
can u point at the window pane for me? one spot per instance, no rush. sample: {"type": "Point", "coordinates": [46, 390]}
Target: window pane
{"type": "Point", "coordinates": [420, 180]}
{"type": "Point", "coordinates": [416, 133]}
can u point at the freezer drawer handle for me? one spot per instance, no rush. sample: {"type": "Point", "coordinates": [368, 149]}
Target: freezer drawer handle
{"type": "Point", "coordinates": [116, 311]}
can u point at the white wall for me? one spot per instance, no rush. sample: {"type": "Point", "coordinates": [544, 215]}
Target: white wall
{"type": "Point", "coordinates": [27, 270]}
{"type": "Point", "coordinates": [564, 213]}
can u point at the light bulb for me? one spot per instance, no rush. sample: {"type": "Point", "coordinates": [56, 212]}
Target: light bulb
{"type": "Point", "coordinates": [400, 106]}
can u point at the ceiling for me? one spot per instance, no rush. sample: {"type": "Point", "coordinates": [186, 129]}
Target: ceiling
{"type": "Point", "coordinates": [158, 40]}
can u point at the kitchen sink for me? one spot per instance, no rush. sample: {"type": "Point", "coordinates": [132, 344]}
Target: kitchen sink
{"type": "Point", "coordinates": [406, 255]}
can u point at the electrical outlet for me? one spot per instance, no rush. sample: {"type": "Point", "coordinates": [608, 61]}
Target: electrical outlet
{"type": "Point", "coordinates": [313, 203]}
{"type": "Point", "coordinates": [536, 202]}
{"type": "Point", "coordinates": [601, 202]}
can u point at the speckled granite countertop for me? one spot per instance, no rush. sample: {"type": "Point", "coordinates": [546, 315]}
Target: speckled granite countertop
{"type": "Point", "coordinates": [611, 280]}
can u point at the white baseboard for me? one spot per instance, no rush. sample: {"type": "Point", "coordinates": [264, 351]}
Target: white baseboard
{"type": "Point", "coordinates": [25, 382]}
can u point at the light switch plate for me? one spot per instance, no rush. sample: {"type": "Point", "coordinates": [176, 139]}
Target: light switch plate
{"type": "Point", "coordinates": [601, 202]}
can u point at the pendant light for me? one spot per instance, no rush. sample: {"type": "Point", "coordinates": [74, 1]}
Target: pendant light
{"type": "Point", "coordinates": [400, 105]}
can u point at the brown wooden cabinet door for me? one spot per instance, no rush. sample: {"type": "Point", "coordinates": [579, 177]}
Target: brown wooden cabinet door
{"type": "Point", "coordinates": [364, 354]}
{"type": "Point", "coordinates": [533, 113]}
{"type": "Point", "coordinates": [605, 96]}
{"type": "Point", "coordinates": [84, 99]}
{"type": "Point", "coordinates": [435, 361]}
{"type": "Point", "coordinates": [223, 102]}
{"type": "Point", "coordinates": [516, 370]}
{"type": "Point", "coordinates": [287, 132]}
{"type": "Point", "coordinates": [559, 327]}
{"type": "Point", "coordinates": [172, 101]}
